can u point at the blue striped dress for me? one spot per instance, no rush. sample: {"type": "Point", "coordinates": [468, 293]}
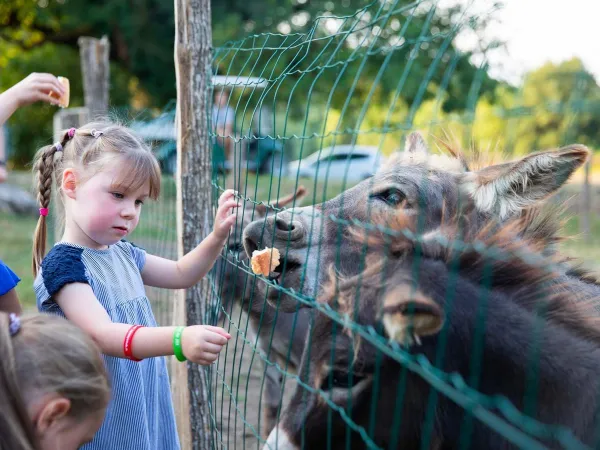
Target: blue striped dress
{"type": "Point", "coordinates": [140, 413]}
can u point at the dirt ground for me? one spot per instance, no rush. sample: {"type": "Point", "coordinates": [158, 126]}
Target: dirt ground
{"type": "Point", "coordinates": [237, 385]}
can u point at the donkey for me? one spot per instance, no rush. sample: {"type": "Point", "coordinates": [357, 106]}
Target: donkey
{"type": "Point", "coordinates": [432, 187]}
{"type": "Point", "coordinates": [276, 333]}
{"type": "Point", "coordinates": [418, 303]}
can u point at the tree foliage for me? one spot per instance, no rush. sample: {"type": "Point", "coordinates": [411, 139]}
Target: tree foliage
{"type": "Point", "coordinates": [342, 71]}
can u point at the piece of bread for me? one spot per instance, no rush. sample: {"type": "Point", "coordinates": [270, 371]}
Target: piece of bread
{"type": "Point", "coordinates": [63, 101]}
{"type": "Point", "coordinates": [265, 261]}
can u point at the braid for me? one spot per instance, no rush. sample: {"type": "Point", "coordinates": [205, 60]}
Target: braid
{"type": "Point", "coordinates": [43, 168]}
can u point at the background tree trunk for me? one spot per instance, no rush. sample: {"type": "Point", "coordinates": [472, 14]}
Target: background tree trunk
{"type": "Point", "coordinates": [194, 207]}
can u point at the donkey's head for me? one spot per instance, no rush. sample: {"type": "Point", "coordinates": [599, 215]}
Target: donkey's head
{"type": "Point", "coordinates": [233, 282]}
{"type": "Point", "coordinates": [431, 186]}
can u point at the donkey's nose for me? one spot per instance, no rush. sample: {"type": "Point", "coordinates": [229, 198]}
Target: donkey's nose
{"type": "Point", "coordinates": [284, 225]}
{"type": "Point", "coordinates": [284, 228]}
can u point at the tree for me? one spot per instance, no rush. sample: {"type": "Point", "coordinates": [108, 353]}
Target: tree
{"type": "Point", "coordinates": [563, 106]}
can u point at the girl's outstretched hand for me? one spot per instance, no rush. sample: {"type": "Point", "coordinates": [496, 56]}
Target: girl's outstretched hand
{"type": "Point", "coordinates": [226, 214]}
{"type": "Point", "coordinates": [37, 87]}
{"type": "Point", "coordinates": [201, 344]}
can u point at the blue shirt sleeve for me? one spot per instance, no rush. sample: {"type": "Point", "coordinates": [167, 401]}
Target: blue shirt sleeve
{"type": "Point", "coordinates": [62, 265]}
{"type": "Point", "coordinates": [138, 254]}
{"type": "Point", "coordinates": [8, 279]}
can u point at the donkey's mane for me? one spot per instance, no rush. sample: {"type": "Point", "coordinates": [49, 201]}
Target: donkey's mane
{"type": "Point", "coordinates": [472, 158]}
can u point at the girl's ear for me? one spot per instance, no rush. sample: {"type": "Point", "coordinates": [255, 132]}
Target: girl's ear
{"type": "Point", "coordinates": [50, 413]}
{"type": "Point", "coordinates": [69, 183]}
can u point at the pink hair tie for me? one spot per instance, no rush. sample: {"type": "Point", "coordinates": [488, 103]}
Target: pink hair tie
{"type": "Point", "coordinates": [43, 212]}
{"type": "Point", "coordinates": [71, 133]}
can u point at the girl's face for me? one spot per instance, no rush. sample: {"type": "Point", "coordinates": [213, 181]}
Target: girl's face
{"type": "Point", "coordinates": [101, 212]}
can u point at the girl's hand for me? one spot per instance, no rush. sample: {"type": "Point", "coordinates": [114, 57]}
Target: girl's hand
{"type": "Point", "coordinates": [201, 344]}
{"type": "Point", "coordinates": [226, 214]}
{"type": "Point", "coordinates": [37, 87]}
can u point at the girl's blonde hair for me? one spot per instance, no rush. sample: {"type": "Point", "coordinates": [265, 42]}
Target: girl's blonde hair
{"type": "Point", "coordinates": [47, 355]}
{"type": "Point", "coordinates": [88, 150]}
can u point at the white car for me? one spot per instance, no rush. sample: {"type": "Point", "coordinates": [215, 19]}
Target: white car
{"type": "Point", "coordinates": [355, 163]}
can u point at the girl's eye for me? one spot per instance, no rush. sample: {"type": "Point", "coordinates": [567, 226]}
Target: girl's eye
{"type": "Point", "coordinates": [139, 202]}
{"type": "Point", "coordinates": [118, 195]}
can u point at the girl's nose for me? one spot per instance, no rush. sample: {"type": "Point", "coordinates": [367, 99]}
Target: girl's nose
{"type": "Point", "coordinates": [128, 211]}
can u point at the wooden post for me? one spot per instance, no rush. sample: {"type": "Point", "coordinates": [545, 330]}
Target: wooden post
{"type": "Point", "coordinates": [194, 208]}
{"type": "Point", "coordinates": [95, 71]}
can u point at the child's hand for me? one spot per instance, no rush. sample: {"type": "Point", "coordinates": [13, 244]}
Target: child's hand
{"type": "Point", "coordinates": [226, 214]}
{"type": "Point", "coordinates": [201, 344]}
{"type": "Point", "coordinates": [37, 87]}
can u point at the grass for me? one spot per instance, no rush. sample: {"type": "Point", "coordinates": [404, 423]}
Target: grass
{"type": "Point", "coordinates": [157, 229]}
{"type": "Point", "coordinates": [576, 245]}
{"type": "Point", "coordinates": [15, 251]}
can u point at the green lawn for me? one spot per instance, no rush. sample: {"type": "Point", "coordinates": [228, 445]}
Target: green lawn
{"type": "Point", "coordinates": [157, 229]}
{"type": "Point", "coordinates": [15, 251]}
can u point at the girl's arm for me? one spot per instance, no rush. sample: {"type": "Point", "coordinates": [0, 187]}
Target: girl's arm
{"type": "Point", "coordinates": [186, 272]}
{"type": "Point", "coordinates": [200, 344]}
{"type": "Point", "coordinates": [9, 302]}
{"type": "Point", "coordinates": [36, 87]}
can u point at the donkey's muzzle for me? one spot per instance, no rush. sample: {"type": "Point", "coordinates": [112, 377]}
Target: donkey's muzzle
{"type": "Point", "coordinates": [274, 231]}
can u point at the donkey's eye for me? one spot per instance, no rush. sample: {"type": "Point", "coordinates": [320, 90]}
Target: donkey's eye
{"type": "Point", "coordinates": [341, 380]}
{"type": "Point", "coordinates": [392, 197]}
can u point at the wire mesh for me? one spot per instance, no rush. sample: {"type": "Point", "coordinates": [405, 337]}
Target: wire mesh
{"type": "Point", "coordinates": [312, 363]}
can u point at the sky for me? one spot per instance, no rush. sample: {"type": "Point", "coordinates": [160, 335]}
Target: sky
{"type": "Point", "coordinates": [537, 31]}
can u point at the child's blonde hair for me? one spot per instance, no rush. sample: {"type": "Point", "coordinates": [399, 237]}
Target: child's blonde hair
{"type": "Point", "coordinates": [46, 355]}
{"type": "Point", "coordinates": [89, 149]}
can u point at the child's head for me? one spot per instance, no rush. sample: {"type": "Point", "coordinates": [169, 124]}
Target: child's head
{"type": "Point", "coordinates": [53, 385]}
{"type": "Point", "coordinates": [102, 173]}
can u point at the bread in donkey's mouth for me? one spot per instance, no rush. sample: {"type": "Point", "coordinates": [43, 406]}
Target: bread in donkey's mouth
{"type": "Point", "coordinates": [265, 261]}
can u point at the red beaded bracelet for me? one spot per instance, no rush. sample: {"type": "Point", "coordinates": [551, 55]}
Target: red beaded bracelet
{"type": "Point", "coordinates": [127, 350]}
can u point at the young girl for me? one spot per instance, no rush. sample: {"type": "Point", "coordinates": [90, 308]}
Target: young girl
{"type": "Point", "coordinates": [96, 279]}
{"type": "Point", "coordinates": [53, 386]}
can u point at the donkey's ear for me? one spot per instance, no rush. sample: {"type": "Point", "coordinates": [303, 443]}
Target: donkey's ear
{"type": "Point", "coordinates": [408, 314]}
{"type": "Point", "coordinates": [297, 196]}
{"type": "Point", "coordinates": [505, 189]}
{"type": "Point", "coordinates": [415, 143]}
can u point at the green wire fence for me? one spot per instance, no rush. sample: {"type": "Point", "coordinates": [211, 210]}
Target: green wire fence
{"type": "Point", "coordinates": [354, 82]}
